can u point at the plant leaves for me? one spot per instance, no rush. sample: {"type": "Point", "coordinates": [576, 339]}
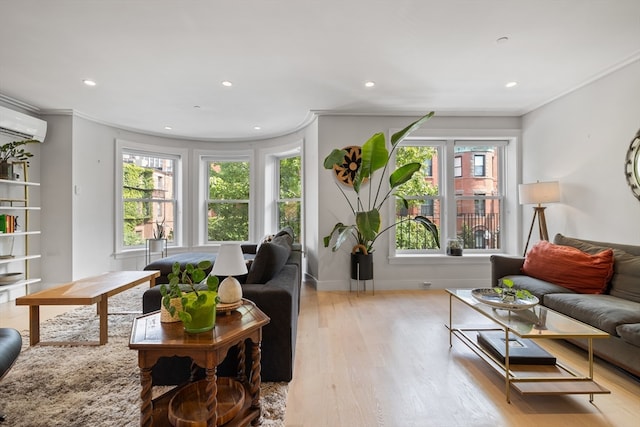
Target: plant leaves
{"type": "Point", "coordinates": [429, 225]}
{"type": "Point", "coordinates": [368, 224]}
{"type": "Point", "coordinates": [374, 156]}
{"type": "Point", "coordinates": [400, 135]}
{"type": "Point", "coordinates": [403, 174]}
{"type": "Point", "coordinates": [335, 157]}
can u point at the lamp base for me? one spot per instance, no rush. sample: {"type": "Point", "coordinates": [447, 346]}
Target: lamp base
{"type": "Point", "coordinates": [230, 290]}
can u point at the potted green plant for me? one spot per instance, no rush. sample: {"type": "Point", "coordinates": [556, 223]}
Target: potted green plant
{"type": "Point", "coordinates": [454, 247]}
{"type": "Point", "coordinates": [197, 307]}
{"type": "Point", "coordinates": [509, 294]}
{"type": "Point", "coordinates": [12, 152]}
{"type": "Point", "coordinates": [367, 227]}
{"type": "Point", "coordinates": [157, 243]}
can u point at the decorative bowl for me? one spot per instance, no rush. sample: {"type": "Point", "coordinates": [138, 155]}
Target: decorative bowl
{"type": "Point", "coordinates": [492, 298]}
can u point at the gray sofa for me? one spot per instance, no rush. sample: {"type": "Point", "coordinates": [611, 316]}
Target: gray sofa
{"type": "Point", "coordinates": [615, 311]}
{"type": "Point", "coordinates": [272, 283]}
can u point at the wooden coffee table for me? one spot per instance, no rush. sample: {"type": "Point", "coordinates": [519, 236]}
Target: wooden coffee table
{"type": "Point", "coordinates": [154, 340]}
{"type": "Point", "coordinates": [92, 290]}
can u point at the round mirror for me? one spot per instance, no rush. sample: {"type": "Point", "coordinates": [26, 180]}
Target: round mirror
{"type": "Point", "coordinates": [632, 165]}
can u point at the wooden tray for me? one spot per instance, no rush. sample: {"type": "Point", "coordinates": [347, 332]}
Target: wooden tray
{"type": "Point", "coordinates": [188, 408]}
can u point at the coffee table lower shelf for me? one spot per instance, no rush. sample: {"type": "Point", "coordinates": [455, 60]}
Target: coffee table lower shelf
{"type": "Point", "coordinates": [534, 379]}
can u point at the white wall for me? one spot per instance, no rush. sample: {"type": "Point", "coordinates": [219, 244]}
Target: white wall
{"type": "Point", "coordinates": [56, 239]}
{"type": "Point", "coordinates": [442, 272]}
{"type": "Point", "coordinates": [581, 140]}
{"type": "Point", "coordinates": [78, 187]}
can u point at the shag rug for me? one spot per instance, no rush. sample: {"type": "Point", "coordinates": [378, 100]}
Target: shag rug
{"type": "Point", "coordinates": [91, 385]}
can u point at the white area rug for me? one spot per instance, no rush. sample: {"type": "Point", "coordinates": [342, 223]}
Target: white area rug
{"type": "Point", "coordinates": [91, 385]}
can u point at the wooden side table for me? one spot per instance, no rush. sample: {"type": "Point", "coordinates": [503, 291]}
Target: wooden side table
{"type": "Point", "coordinates": [154, 340]}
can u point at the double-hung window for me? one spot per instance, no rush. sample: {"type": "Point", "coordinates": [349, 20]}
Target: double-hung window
{"type": "Point", "coordinates": [289, 199]}
{"type": "Point", "coordinates": [149, 196]}
{"type": "Point", "coordinates": [228, 185]}
{"type": "Point", "coordinates": [463, 196]}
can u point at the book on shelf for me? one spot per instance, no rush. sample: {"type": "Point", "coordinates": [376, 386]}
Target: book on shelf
{"type": "Point", "coordinates": [8, 223]}
{"type": "Point", "coordinates": [521, 351]}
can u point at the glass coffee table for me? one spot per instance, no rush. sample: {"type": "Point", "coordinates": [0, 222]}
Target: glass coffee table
{"type": "Point", "coordinates": [531, 324]}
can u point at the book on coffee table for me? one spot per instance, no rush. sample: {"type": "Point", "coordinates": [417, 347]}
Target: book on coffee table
{"type": "Point", "coordinates": [521, 351]}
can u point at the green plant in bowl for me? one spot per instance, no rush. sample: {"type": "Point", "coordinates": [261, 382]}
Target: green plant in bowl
{"type": "Point", "coordinates": [511, 294]}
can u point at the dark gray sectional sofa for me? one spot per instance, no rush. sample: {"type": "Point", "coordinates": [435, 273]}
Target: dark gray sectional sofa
{"type": "Point", "coordinates": [272, 283]}
{"type": "Point", "coordinates": [616, 311]}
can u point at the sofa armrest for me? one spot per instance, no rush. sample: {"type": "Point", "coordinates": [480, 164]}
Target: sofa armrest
{"type": "Point", "coordinates": [504, 265]}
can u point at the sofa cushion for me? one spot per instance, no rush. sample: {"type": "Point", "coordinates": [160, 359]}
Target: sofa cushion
{"type": "Point", "coordinates": [625, 282]}
{"type": "Point", "coordinates": [630, 333]}
{"type": "Point", "coordinates": [570, 267]}
{"type": "Point", "coordinates": [537, 287]}
{"type": "Point", "coordinates": [269, 260]}
{"type": "Point", "coordinates": [604, 312]}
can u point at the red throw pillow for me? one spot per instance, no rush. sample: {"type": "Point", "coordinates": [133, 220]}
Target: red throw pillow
{"type": "Point", "coordinates": [570, 267]}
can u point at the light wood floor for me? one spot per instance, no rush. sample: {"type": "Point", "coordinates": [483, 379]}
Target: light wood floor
{"type": "Point", "coordinates": [385, 360]}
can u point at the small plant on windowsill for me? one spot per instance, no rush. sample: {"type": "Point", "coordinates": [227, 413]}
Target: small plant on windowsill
{"type": "Point", "coordinates": [511, 294]}
{"type": "Point", "coordinates": [159, 232]}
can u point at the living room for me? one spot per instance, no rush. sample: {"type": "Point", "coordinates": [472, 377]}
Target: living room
{"type": "Point", "coordinates": [579, 137]}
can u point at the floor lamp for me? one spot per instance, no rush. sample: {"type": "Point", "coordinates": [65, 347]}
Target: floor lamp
{"type": "Point", "coordinates": [536, 194]}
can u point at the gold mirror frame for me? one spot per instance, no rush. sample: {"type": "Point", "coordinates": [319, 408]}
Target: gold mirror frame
{"type": "Point", "coordinates": [632, 165]}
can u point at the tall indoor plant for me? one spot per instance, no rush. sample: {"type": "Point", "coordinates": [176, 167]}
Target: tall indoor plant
{"type": "Point", "coordinates": [366, 210]}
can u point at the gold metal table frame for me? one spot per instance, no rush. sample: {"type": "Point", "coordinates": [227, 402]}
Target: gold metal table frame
{"type": "Point", "coordinates": [537, 323]}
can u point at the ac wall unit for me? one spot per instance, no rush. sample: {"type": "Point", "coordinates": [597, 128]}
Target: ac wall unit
{"type": "Point", "coordinates": [19, 126]}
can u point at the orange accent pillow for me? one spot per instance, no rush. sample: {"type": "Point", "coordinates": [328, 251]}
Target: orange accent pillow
{"type": "Point", "coordinates": [570, 267]}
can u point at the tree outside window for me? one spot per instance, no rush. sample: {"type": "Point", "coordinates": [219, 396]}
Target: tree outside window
{"type": "Point", "coordinates": [290, 194]}
{"type": "Point", "coordinates": [228, 201]}
{"type": "Point", "coordinates": [421, 193]}
{"type": "Point", "coordinates": [470, 209]}
{"type": "Point", "coordinates": [148, 197]}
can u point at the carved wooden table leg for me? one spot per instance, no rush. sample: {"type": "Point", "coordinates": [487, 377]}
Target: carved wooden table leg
{"type": "Point", "coordinates": [212, 401]}
{"type": "Point", "coordinates": [146, 410]}
{"type": "Point", "coordinates": [242, 362]}
{"type": "Point", "coordinates": [254, 387]}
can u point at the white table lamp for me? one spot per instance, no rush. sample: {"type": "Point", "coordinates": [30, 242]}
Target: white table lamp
{"type": "Point", "coordinates": [229, 262]}
{"type": "Point", "coordinates": [536, 194]}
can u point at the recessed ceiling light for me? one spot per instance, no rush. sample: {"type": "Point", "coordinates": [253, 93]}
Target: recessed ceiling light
{"type": "Point", "coordinates": [511, 84]}
{"type": "Point", "coordinates": [168, 128]}
{"type": "Point", "coordinates": [502, 40]}
{"type": "Point", "coordinates": [227, 83]}
{"type": "Point", "coordinates": [257, 128]}
{"type": "Point", "coordinates": [369, 83]}
{"type": "Point", "coordinates": [196, 106]}
{"type": "Point", "coordinates": [89, 82]}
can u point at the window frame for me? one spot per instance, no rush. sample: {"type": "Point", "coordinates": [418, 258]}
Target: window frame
{"type": "Point", "coordinates": [202, 212]}
{"type": "Point", "coordinates": [509, 171]}
{"type": "Point", "coordinates": [123, 146]}
{"type": "Point", "coordinates": [278, 200]}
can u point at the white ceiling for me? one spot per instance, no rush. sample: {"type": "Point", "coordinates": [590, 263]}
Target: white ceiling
{"type": "Point", "coordinates": [160, 63]}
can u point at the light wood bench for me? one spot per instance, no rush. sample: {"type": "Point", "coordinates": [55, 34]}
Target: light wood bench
{"type": "Point", "coordinates": [92, 290]}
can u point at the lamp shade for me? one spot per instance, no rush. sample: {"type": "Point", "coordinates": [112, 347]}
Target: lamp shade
{"type": "Point", "coordinates": [539, 192]}
{"type": "Point", "coordinates": [229, 261]}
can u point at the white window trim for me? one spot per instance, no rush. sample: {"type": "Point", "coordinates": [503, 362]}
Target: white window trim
{"type": "Point", "coordinates": [511, 176]}
{"type": "Point", "coordinates": [180, 187]}
{"type": "Point", "coordinates": [271, 158]}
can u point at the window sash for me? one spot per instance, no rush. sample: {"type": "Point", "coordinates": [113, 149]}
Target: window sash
{"type": "Point", "coordinates": [132, 232]}
{"type": "Point", "coordinates": [231, 221]}
{"type": "Point", "coordinates": [454, 217]}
